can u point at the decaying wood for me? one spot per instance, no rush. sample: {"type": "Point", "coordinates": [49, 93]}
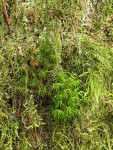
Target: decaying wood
{"type": "Point", "coordinates": [7, 18]}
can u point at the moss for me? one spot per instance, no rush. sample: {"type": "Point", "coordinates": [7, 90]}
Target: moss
{"type": "Point", "coordinates": [56, 79]}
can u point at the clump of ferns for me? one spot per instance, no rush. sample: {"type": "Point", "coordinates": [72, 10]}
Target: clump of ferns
{"type": "Point", "coordinates": [66, 97]}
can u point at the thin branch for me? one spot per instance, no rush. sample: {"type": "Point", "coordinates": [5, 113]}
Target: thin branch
{"type": "Point", "coordinates": [6, 16]}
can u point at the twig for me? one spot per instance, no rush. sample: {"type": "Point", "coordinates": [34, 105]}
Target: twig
{"type": "Point", "coordinates": [6, 16]}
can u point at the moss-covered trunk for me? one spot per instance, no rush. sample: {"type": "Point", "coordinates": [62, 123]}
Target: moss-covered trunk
{"type": "Point", "coordinates": [56, 71]}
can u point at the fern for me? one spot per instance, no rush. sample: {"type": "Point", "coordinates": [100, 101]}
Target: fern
{"type": "Point", "coordinates": [66, 97]}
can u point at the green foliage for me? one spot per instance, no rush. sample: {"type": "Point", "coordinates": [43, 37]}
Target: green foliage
{"type": "Point", "coordinates": [31, 121]}
{"type": "Point", "coordinates": [56, 79]}
{"type": "Point", "coordinates": [67, 98]}
{"type": "Point", "coordinates": [8, 128]}
{"type": "Point", "coordinates": [62, 138]}
{"type": "Point", "coordinates": [47, 56]}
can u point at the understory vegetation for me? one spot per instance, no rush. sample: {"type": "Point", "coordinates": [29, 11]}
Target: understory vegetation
{"type": "Point", "coordinates": [56, 75]}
